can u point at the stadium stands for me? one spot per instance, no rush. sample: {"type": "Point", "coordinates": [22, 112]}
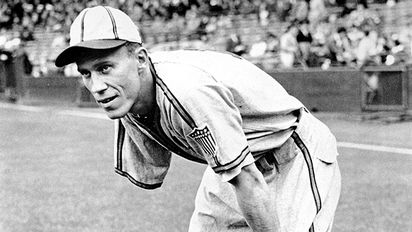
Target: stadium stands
{"type": "Point", "coordinates": [212, 31]}
{"type": "Point", "coordinates": [48, 41]}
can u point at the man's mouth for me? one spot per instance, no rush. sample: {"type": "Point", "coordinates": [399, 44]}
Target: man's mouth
{"type": "Point", "coordinates": [107, 100]}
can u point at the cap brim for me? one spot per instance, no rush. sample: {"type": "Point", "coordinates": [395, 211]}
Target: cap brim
{"type": "Point", "coordinates": [70, 54]}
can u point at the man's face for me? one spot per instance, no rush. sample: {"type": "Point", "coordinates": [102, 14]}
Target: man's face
{"type": "Point", "coordinates": [113, 79]}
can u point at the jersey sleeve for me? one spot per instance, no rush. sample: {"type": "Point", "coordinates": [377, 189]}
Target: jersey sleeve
{"type": "Point", "coordinates": [139, 158]}
{"type": "Point", "coordinates": [212, 127]}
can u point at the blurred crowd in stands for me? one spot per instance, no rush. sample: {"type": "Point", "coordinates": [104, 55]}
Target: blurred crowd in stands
{"type": "Point", "coordinates": [307, 33]}
{"type": "Point", "coordinates": [350, 36]}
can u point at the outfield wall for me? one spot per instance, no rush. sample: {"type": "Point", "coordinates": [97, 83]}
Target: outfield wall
{"type": "Point", "coordinates": [334, 90]}
{"type": "Point", "coordinates": [51, 90]}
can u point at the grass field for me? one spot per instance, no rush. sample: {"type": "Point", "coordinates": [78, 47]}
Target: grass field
{"type": "Point", "coordinates": [56, 174]}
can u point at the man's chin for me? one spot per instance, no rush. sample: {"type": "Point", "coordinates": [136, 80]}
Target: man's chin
{"type": "Point", "coordinates": [115, 114]}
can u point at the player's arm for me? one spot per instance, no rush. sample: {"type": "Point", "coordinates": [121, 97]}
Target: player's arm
{"type": "Point", "coordinates": [255, 200]}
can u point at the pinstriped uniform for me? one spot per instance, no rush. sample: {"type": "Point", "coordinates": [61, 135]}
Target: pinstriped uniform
{"type": "Point", "coordinates": [219, 109]}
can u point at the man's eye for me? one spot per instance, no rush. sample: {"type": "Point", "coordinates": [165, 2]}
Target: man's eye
{"type": "Point", "coordinates": [105, 69]}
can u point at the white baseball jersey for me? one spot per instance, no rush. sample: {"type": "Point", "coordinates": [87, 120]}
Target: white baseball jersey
{"type": "Point", "coordinates": [214, 108]}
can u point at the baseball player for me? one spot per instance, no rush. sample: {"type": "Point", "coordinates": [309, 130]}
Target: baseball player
{"type": "Point", "coordinates": [271, 165]}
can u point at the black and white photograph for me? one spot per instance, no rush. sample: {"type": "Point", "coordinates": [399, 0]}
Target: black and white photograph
{"type": "Point", "coordinates": [205, 116]}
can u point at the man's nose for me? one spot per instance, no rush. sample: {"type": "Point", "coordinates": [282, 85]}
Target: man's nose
{"type": "Point", "coordinates": [98, 85]}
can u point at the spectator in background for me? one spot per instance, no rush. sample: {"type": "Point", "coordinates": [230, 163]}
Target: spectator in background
{"type": "Point", "coordinates": [342, 47]}
{"type": "Point", "coordinates": [17, 11]}
{"type": "Point", "coordinates": [398, 53]}
{"type": "Point", "coordinates": [300, 10]}
{"type": "Point", "coordinates": [304, 39]}
{"type": "Point", "coordinates": [264, 52]}
{"type": "Point", "coordinates": [6, 18]}
{"type": "Point", "coordinates": [193, 21]}
{"type": "Point", "coordinates": [26, 33]}
{"type": "Point", "coordinates": [322, 31]}
{"type": "Point", "coordinates": [391, 3]}
{"type": "Point", "coordinates": [317, 11]}
{"type": "Point", "coordinates": [363, 17]}
{"type": "Point", "coordinates": [27, 65]}
{"type": "Point", "coordinates": [383, 43]}
{"type": "Point", "coordinates": [367, 51]}
{"type": "Point", "coordinates": [12, 53]}
{"type": "Point", "coordinates": [283, 9]}
{"type": "Point", "coordinates": [211, 26]}
{"type": "Point", "coordinates": [265, 46]}
{"type": "Point", "coordinates": [271, 6]}
{"type": "Point", "coordinates": [273, 43]}
{"type": "Point", "coordinates": [289, 46]}
{"type": "Point", "coordinates": [201, 30]}
{"type": "Point", "coordinates": [263, 13]}
{"type": "Point", "coordinates": [235, 45]}
{"type": "Point", "coordinates": [367, 55]}
{"type": "Point", "coordinates": [325, 37]}
{"type": "Point", "coordinates": [258, 49]}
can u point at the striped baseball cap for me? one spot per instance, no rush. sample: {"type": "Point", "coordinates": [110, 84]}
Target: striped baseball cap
{"type": "Point", "coordinates": [99, 27]}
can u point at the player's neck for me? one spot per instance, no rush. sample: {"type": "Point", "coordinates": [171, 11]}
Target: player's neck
{"type": "Point", "coordinates": [146, 100]}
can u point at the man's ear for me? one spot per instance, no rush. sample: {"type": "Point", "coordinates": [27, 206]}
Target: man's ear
{"type": "Point", "coordinates": [142, 57]}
